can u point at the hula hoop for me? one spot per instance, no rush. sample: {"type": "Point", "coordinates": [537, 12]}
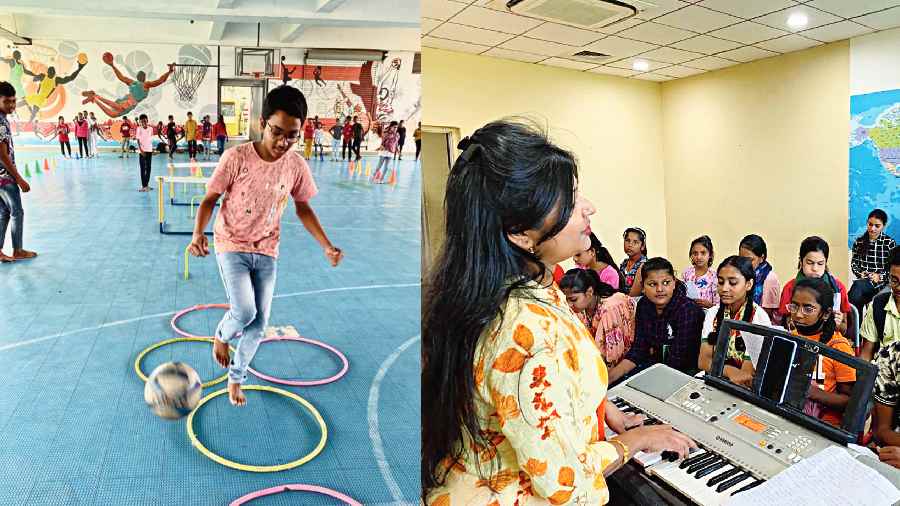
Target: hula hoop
{"type": "Point", "coordinates": [190, 309]}
{"type": "Point", "coordinates": [298, 487]}
{"type": "Point", "coordinates": [141, 355]}
{"type": "Point", "coordinates": [303, 383]}
{"type": "Point", "coordinates": [258, 469]}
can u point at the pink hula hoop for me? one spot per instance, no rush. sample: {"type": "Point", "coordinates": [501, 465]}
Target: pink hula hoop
{"type": "Point", "coordinates": [273, 379]}
{"type": "Point", "coordinates": [298, 487]}
{"type": "Point", "coordinates": [198, 307]}
{"type": "Point", "coordinates": [303, 383]}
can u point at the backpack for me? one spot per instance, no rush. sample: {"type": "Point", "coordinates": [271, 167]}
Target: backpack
{"type": "Point", "coordinates": [879, 314]}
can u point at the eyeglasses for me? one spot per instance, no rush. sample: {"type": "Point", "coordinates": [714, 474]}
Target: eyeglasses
{"type": "Point", "coordinates": [280, 135]}
{"type": "Point", "coordinates": [805, 310]}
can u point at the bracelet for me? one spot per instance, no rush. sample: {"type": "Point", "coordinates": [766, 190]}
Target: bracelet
{"type": "Point", "coordinates": [624, 449]}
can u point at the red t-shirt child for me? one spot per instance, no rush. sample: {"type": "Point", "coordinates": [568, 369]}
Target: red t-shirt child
{"type": "Point", "coordinates": [308, 130]}
{"type": "Point", "coordinates": [348, 132]}
{"type": "Point", "coordinates": [125, 129]}
{"type": "Point", "coordinates": [63, 132]}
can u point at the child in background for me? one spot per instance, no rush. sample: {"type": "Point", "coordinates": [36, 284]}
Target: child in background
{"type": "Point", "coordinates": [220, 132]}
{"type": "Point", "coordinates": [206, 135]}
{"type": "Point", "coordinates": [635, 245]}
{"type": "Point", "coordinates": [318, 140]}
{"type": "Point", "coordinates": [814, 264]}
{"type": "Point", "coordinates": [700, 279]}
{"type": "Point", "coordinates": [93, 134]}
{"type": "Point", "coordinates": [81, 133]}
{"type": "Point", "coordinates": [386, 152]}
{"type": "Point", "coordinates": [766, 289]}
{"type": "Point", "coordinates": [125, 130]}
{"type": "Point", "coordinates": [335, 132]}
{"type": "Point", "coordinates": [597, 257]}
{"type": "Point", "coordinates": [62, 131]}
{"type": "Point", "coordinates": [144, 136]}
{"type": "Point", "coordinates": [172, 136]}
{"type": "Point", "coordinates": [308, 132]}
{"type": "Point", "coordinates": [190, 134]}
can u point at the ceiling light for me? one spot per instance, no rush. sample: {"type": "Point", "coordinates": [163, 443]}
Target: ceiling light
{"type": "Point", "coordinates": [640, 66]}
{"type": "Point", "coordinates": [798, 20]}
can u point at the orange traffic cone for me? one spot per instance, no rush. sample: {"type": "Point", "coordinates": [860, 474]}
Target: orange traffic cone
{"type": "Point", "coordinates": [46, 165]}
{"type": "Point", "coordinates": [393, 178]}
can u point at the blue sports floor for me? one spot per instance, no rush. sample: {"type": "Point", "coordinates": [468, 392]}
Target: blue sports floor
{"type": "Point", "coordinates": [74, 428]}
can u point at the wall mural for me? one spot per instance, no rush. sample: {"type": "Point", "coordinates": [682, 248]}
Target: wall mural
{"type": "Point", "coordinates": [63, 78]}
{"type": "Point", "coordinates": [377, 93]}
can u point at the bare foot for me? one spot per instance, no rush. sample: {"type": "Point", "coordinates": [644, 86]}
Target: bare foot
{"type": "Point", "coordinates": [22, 254]}
{"type": "Point", "coordinates": [235, 395]}
{"type": "Point", "coordinates": [220, 353]}
{"type": "Point", "coordinates": [6, 259]}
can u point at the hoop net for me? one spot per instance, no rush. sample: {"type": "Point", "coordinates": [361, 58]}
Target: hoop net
{"type": "Point", "coordinates": [187, 79]}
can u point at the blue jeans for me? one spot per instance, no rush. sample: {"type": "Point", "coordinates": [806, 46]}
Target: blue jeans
{"type": "Point", "coordinates": [249, 280]}
{"type": "Point", "coordinates": [220, 141]}
{"type": "Point", "coordinates": [11, 211]}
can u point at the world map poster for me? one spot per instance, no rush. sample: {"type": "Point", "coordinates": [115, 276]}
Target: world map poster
{"type": "Point", "coordinates": [874, 160]}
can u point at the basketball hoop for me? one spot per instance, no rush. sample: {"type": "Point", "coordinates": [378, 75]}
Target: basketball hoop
{"type": "Point", "coordinates": [187, 79]}
{"type": "Point", "coordinates": [257, 75]}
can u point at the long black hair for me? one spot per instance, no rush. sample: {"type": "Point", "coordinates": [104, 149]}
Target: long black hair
{"type": "Point", "coordinates": [879, 215]}
{"type": "Point", "coordinates": [756, 244]}
{"type": "Point", "coordinates": [825, 297]}
{"type": "Point", "coordinates": [603, 255]}
{"type": "Point", "coordinates": [706, 242]}
{"type": "Point", "coordinates": [509, 179]}
{"type": "Point", "coordinates": [579, 280]}
{"type": "Point", "coordinates": [745, 267]}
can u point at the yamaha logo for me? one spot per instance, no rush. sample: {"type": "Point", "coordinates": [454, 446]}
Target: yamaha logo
{"type": "Point", "coordinates": [723, 440]}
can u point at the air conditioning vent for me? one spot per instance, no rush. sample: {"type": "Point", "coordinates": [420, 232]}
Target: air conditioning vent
{"type": "Point", "coordinates": [585, 14]}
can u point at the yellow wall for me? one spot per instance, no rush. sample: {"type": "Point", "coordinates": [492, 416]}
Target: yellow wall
{"type": "Point", "coordinates": [756, 148]}
{"type": "Point", "coordinates": [613, 125]}
{"type": "Point", "coordinates": [760, 148]}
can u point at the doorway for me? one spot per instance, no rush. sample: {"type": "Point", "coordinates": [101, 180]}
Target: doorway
{"type": "Point", "coordinates": [241, 106]}
{"type": "Point", "coordinates": [438, 154]}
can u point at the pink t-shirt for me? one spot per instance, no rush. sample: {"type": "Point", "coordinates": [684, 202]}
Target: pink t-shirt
{"type": "Point", "coordinates": [610, 276]}
{"type": "Point", "coordinates": [249, 220]}
{"type": "Point", "coordinates": [81, 129]}
{"type": "Point", "coordinates": [144, 136]}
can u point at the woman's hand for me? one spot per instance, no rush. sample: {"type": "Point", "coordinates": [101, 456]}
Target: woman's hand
{"type": "Point", "coordinates": [657, 438]}
{"type": "Point", "coordinates": [618, 421]}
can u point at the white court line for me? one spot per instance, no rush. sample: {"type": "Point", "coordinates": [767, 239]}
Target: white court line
{"type": "Point", "coordinates": [146, 317]}
{"type": "Point", "coordinates": [374, 431]}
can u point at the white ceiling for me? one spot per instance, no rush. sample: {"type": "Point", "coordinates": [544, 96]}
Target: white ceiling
{"type": "Point", "coordinates": [357, 24]}
{"type": "Point", "coordinates": [678, 38]}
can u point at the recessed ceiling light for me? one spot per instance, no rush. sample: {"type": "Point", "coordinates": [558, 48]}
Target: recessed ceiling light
{"type": "Point", "coordinates": [640, 66]}
{"type": "Point", "coordinates": [798, 20]}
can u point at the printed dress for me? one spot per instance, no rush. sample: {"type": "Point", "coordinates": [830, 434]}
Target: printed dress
{"type": "Point", "coordinates": [540, 385]}
{"type": "Point", "coordinates": [613, 327]}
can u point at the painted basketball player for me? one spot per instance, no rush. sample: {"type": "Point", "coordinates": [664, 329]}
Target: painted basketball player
{"type": "Point", "coordinates": [138, 89]}
{"type": "Point", "coordinates": [47, 83]}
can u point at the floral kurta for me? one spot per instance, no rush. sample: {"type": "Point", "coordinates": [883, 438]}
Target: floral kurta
{"type": "Point", "coordinates": [540, 383]}
{"type": "Point", "coordinates": [613, 327]}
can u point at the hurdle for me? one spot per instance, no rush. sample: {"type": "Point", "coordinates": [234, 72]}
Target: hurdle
{"type": "Point", "coordinates": [171, 180]}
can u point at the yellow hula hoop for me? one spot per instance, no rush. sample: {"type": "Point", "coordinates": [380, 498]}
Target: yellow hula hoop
{"type": "Point", "coordinates": [141, 355]}
{"type": "Point", "coordinates": [258, 469]}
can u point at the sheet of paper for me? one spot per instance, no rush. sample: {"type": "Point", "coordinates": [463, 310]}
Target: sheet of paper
{"type": "Point", "coordinates": [812, 481]}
